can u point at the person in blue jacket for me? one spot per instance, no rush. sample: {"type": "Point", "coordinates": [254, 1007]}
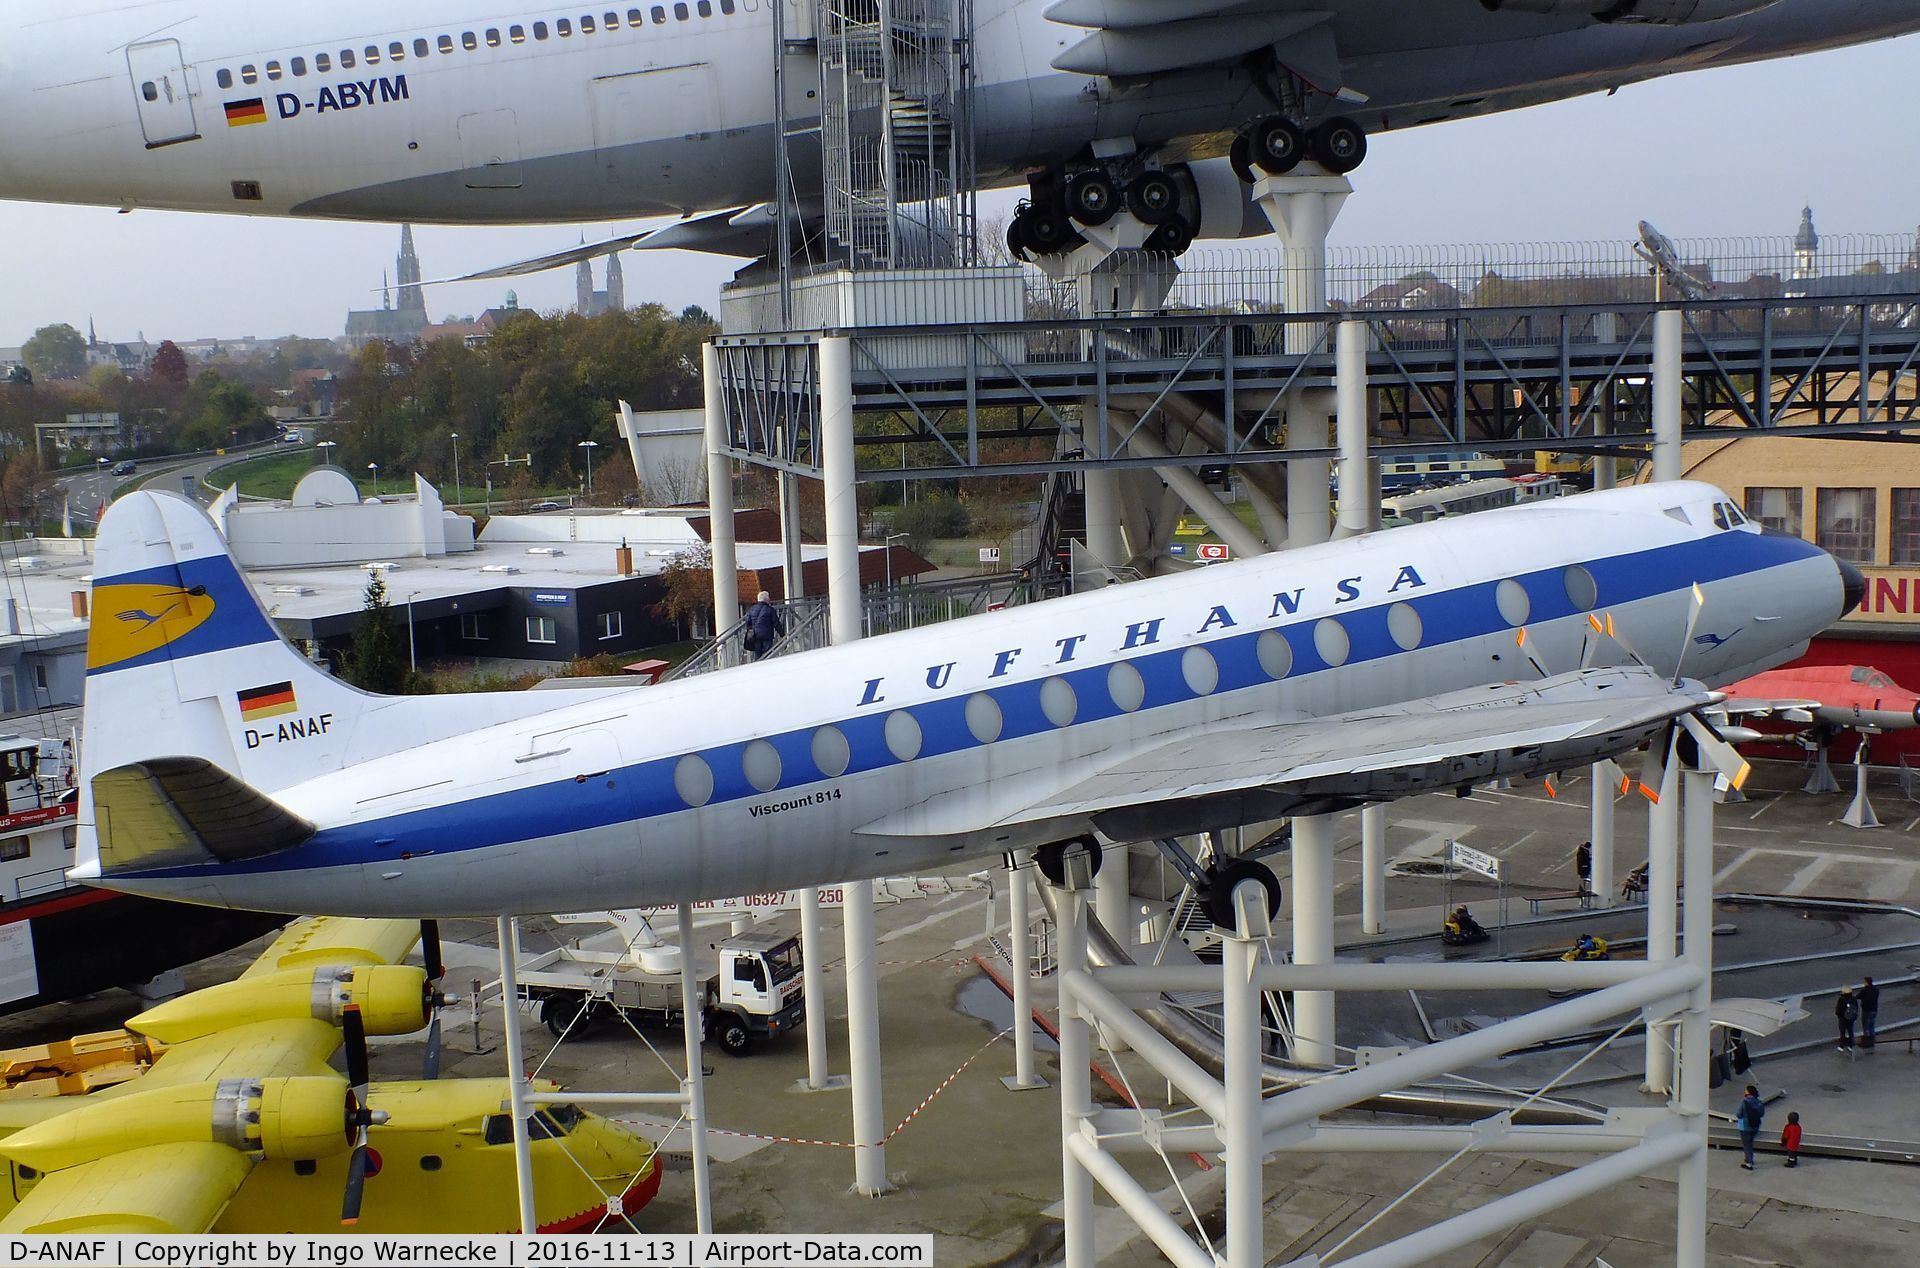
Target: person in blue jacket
{"type": "Point", "coordinates": [1747, 1121]}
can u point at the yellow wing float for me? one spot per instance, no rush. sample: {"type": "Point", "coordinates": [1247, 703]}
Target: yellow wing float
{"type": "Point", "coordinates": [240, 1123]}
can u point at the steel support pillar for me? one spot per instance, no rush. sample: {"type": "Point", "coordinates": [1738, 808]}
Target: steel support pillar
{"type": "Point", "coordinates": [1359, 494]}
{"type": "Point", "coordinates": [1373, 869]}
{"type": "Point", "coordinates": [1240, 1131]}
{"type": "Point", "coordinates": [1106, 538]}
{"type": "Point", "coordinates": [1076, 1088]}
{"type": "Point", "coordinates": [1020, 951]}
{"type": "Point", "coordinates": [1313, 935]}
{"type": "Point", "coordinates": [1663, 839]}
{"type": "Point", "coordinates": [1605, 469]}
{"type": "Point", "coordinates": [1667, 383]}
{"type": "Point", "coordinates": [843, 601]}
{"type": "Point", "coordinates": [692, 1025]}
{"type": "Point", "coordinates": [507, 931]}
{"type": "Point", "coordinates": [726, 557]}
{"type": "Point", "coordinates": [1112, 897]}
{"type": "Point", "coordinates": [1204, 503]}
{"type": "Point", "coordinates": [1601, 829]}
{"type": "Point", "coordinates": [1690, 1236]}
{"type": "Point", "coordinates": [813, 952]}
{"type": "Point", "coordinates": [793, 557]}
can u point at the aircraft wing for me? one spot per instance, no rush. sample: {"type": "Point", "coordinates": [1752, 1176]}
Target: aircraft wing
{"type": "Point", "coordinates": [1800, 711]}
{"type": "Point", "coordinates": [1210, 778]}
{"type": "Point", "coordinates": [336, 941]}
{"type": "Point", "coordinates": [740, 231]}
{"type": "Point", "coordinates": [1137, 38]}
{"type": "Point", "coordinates": [172, 1188]}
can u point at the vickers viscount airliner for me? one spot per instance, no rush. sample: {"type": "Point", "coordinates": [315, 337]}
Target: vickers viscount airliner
{"type": "Point", "coordinates": [224, 768]}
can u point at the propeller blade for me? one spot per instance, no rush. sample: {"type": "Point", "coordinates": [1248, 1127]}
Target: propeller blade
{"type": "Point", "coordinates": [430, 950]}
{"type": "Point", "coordinates": [1614, 778]}
{"type": "Point", "coordinates": [432, 1068]}
{"type": "Point", "coordinates": [1526, 649]}
{"type": "Point", "coordinates": [1653, 770]}
{"type": "Point", "coordinates": [354, 1031]}
{"type": "Point", "coordinates": [356, 1185]}
{"type": "Point", "coordinates": [1714, 751]}
{"type": "Point", "coordinates": [1694, 608]}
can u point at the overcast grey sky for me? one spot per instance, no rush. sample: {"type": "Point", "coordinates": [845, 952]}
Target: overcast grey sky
{"type": "Point", "coordinates": [1724, 152]}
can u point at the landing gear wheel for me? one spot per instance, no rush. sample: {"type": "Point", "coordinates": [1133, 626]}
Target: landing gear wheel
{"type": "Point", "coordinates": [1092, 198]}
{"type": "Point", "coordinates": [1339, 145]}
{"type": "Point", "coordinates": [1153, 198]}
{"type": "Point", "coordinates": [1017, 236]}
{"type": "Point", "coordinates": [1219, 895]}
{"type": "Point", "coordinates": [1240, 155]}
{"type": "Point", "coordinates": [1045, 231]}
{"type": "Point", "coordinates": [1171, 238]}
{"type": "Point", "coordinates": [1052, 858]}
{"type": "Point", "coordinates": [1276, 145]}
{"type": "Point", "coordinates": [732, 1034]}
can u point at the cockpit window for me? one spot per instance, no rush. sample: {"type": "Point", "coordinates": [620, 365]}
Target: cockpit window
{"type": "Point", "coordinates": [1859, 674]}
{"type": "Point", "coordinates": [1879, 682]}
{"type": "Point", "coordinates": [1720, 515]}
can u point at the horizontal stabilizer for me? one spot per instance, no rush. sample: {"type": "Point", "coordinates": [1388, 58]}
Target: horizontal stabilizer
{"type": "Point", "coordinates": [179, 811]}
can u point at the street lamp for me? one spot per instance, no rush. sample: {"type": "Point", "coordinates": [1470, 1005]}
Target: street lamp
{"type": "Point", "coordinates": [375, 468]}
{"type": "Point", "coordinates": [455, 436]}
{"type": "Point", "coordinates": [886, 547]}
{"type": "Point", "coordinates": [589, 446]}
{"type": "Point", "coordinates": [326, 459]}
{"type": "Point", "coordinates": [413, 665]}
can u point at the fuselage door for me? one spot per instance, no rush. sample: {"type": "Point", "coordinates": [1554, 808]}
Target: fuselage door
{"type": "Point", "coordinates": [490, 149]}
{"type": "Point", "coordinates": [160, 88]}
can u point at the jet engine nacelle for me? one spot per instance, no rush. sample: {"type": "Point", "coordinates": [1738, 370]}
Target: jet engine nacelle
{"type": "Point", "coordinates": [1661, 12]}
{"type": "Point", "coordinates": [1219, 204]}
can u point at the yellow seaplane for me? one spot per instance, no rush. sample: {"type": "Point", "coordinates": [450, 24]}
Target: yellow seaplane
{"type": "Point", "coordinates": [218, 1112]}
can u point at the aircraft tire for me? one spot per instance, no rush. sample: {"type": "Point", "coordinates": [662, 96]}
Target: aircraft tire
{"type": "Point", "coordinates": [1045, 231]}
{"type": "Point", "coordinates": [1092, 198]}
{"type": "Point", "coordinates": [1240, 155]}
{"type": "Point", "coordinates": [1051, 859]}
{"type": "Point", "coordinates": [732, 1035]}
{"type": "Point", "coordinates": [1276, 145]}
{"type": "Point", "coordinates": [1171, 238]}
{"type": "Point", "coordinates": [1219, 895]}
{"type": "Point", "coordinates": [1339, 145]}
{"type": "Point", "coordinates": [1153, 198]}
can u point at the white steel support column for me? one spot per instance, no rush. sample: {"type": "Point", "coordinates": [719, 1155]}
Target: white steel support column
{"type": "Point", "coordinates": [507, 931]}
{"type": "Point", "coordinates": [1313, 935]}
{"type": "Point", "coordinates": [1358, 496]}
{"type": "Point", "coordinates": [1666, 394]}
{"type": "Point", "coordinates": [1112, 897]}
{"type": "Point", "coordinates": [793, 559]}
{"type": "Point", "coordinates": [1373, 869]}
{"type": "Point", "coordinates": [813, 951]}
{"type": "Point", "coordinates": [1201, 500]}
{"type": "Point", "coordinates": [844, 600]}
{"type": "Point", "coordinates": [1690, 1237]}
{"type": "Point", "coordinates": [693, 1024]}
{"type": "Point", "coordinates": [1663, 839]}
{"type": "Point", "coordinates": [1600, 828]}
{"type": "Point", "coordinates": [1605, 470]}
{"type": "Point", "coordinates": [1104, 503]}
{"type": "Point", "coordinates": [1240, 1133]}
{"type": "Point", "coordinates": [1307, 478]}
{"type": "Point", "coordinates": [1020, 949]}
{"type": "Point", "coordinates": [726, 558]}
{"type": "Point", "coordinates": [1076, 1089]}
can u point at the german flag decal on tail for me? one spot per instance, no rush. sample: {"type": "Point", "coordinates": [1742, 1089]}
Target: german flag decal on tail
{"type": "Point", "coordinates": [241, 113]}
{"type": "Point", "coordinates": [267, 702]}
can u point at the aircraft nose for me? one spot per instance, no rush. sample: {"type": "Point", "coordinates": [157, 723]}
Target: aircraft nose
{"type": "Point", "coordinates": [1853, 589]}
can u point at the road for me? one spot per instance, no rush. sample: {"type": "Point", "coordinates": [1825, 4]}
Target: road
{"type": "Point", "coordinates": [89, 490]}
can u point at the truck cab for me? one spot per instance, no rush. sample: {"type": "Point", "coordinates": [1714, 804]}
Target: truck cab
{"type": "Point", "coordinates": [757, 993]}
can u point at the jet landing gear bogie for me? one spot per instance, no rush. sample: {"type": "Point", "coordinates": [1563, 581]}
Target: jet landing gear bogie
{"type": "Point", "coordinates": [1063, 210]}
{"type": "Point", "coordinates": [1276, 145]}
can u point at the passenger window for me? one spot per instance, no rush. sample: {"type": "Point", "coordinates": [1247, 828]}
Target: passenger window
{"type": "Point", "coordinates": [346, 59]}
{"type": "Point", "coordinates": [298, 66]}
{"type": "Point", "coordinates": [322, 63]}
{"type": "Point", "coordinates": [396, 52]}
{"type": "Point", "coordinates": [249, 74]}
{"type": "Point", "coordinates": [562, 27]}
{"type": "Point", "coordinates": [726, 7]}
{"type": "Point", "coordinates": [636, 18]}
{"type": "Point", "coordinates": [446, 43]}
{"type": "Point", "coordinates": [518, 34]}
{"type": "Point", "coordinates": [469, 41]}
{"type": "Point", "coordinates": [539, 30]}
{"type": "Point", "coordinates": [420, 48]}
{"type": "Point", "coordinates": [225, 77]}
{"type": "Point", "coordinates": [586, 24]}
{"type": "Point", "coordinates": [493, 37]}
{"type": "Point", "coordinates": [273, 70]}
{"type": "Point", "coordinates": [659, 14]}
{"type": "Point", "coordinates": [372, 55]}
{"type": "Point", "coordinates": [705, 8]}
{"type": "Point", "coordinates": [612, 22]}
{"type": "Point", "coordinates": [680, 12]}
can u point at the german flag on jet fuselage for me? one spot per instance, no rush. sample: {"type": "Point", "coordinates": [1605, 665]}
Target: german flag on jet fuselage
{"type": "Point", "coordinates": [241, 113]}
{"type": "Point", "coordinates": [269, 701]}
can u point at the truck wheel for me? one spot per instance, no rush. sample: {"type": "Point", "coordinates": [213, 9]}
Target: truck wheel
{"type": "Point", "coordinates": [732, 1033]}
{"type": "Point", "coordinates": [559, 1012]}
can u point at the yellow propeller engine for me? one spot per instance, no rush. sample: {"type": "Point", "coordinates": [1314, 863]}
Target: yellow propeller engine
{"type": "Point", "coordinates": [393, 999]}
{"type": "Point", "coordinates": [292, 1118]}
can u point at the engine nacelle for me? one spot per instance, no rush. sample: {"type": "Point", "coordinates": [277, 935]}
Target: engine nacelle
{"type": "Point", "coordinates": [392, 1000]}
{"type": "Point", "coordinates": [303, 1117]}
{"type": "Point", "coordinates": [1660, 12]}
{"type": "Point", "coordinates": [1217, 203]}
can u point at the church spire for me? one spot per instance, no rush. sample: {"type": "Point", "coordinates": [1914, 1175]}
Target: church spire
{"type": "Point", "coordinates": [413, 299]}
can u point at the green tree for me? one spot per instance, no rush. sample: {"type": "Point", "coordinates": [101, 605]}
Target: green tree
{"type": "Point", "coordinates": [55, 352]}
{"type": "Point", "coordinates": [376, 662]}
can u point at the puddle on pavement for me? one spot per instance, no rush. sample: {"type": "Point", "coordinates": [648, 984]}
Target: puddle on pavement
{"type": "Point", "coordinates": [981, 998]}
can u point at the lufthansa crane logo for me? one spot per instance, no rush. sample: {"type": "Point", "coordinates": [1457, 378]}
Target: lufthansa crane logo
{"type": "Point", "coordinates": [144, 619]}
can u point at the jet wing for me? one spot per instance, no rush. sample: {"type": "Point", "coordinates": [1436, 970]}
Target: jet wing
{"type": "Point", "coordinates": [740, 231]}
{"type": "Point", "coordinates": [1800, 711]}
{"type": "Point", "coordinates": [172, 1188]}
{"type": "Point", "coordinates": [1139, 38]}
{"type": "Point", "coordinates": [1216, 778]}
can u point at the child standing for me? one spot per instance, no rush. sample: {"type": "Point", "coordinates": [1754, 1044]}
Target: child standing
{"type": "Point", "coordinates": [1790, 1139]}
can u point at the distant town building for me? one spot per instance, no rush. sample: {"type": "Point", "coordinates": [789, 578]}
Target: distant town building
{"type": "Point", "coordinates": [591, 303]}
{"type": "Point", "coordinates": [128, 358]}
{"type": "Point", "coordinates": [95, 433]}
{"type": "Point", "coordinates": [1806, 248]}
{"type": "Point", "coordinates": [401, 322]}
